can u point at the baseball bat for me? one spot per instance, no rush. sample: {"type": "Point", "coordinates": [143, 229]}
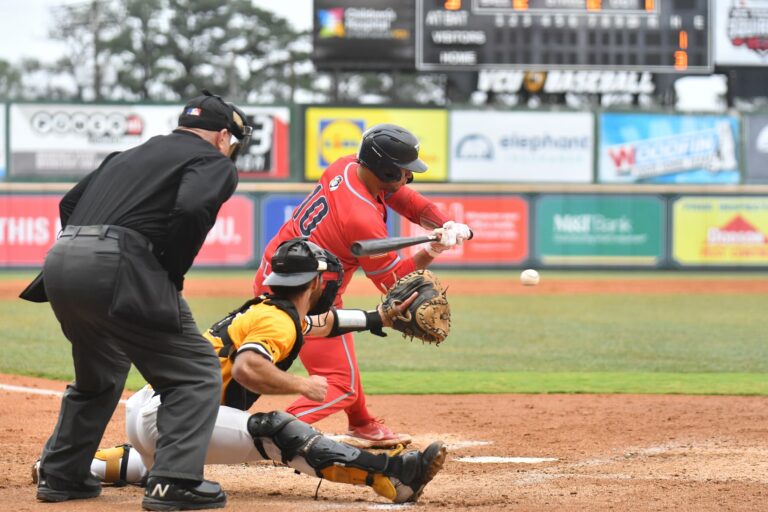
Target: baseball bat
{"type": "Point", "coordinates": [382, 245]}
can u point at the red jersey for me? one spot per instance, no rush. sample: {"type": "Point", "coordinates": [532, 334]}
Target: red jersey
{"type": "Point", "coordinates": [339, 211]}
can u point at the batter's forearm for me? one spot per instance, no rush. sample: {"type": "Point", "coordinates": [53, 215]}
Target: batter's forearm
{"type": "Point", "coordinates": [422, 259]}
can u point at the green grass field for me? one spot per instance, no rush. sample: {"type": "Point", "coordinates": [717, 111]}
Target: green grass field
{"type": "Point", "coordinates": [697, 344]}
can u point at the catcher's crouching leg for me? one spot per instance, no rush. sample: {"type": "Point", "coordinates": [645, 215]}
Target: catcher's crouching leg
{"type": "Point", "coordinates": [397, 476]}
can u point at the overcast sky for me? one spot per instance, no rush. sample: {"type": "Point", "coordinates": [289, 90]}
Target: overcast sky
{"type": "Point", "coordinates": [24, 25]}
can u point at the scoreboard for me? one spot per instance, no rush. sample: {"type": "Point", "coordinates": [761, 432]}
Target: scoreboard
{"type": "Point", "coordinates": [660, 36]}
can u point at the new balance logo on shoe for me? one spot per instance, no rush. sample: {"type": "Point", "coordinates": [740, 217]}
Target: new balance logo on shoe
{"type": "Point", "coordinates": [160, 490]}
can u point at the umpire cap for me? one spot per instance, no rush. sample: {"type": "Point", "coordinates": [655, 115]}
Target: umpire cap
{"type": "Point", "coordinates": [298, 261]}
{"type": "Point", "coordinates": [211, 112]}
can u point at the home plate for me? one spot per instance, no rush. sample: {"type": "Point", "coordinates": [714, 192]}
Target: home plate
{"type": "Point", "coordinates": [506, 460]}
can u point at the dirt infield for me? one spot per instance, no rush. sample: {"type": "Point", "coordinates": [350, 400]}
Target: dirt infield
{"type": "Point", "coordinates": [618, 452]}
{"type": "Point", "coordinates": [227, 287]}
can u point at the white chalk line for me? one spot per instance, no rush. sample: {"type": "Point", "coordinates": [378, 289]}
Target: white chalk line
{"type": "Point", "coordinates": [506, 460]}
{"type": "Point", "coordinates": [458, 445]}
{"type": "Point", "coordinates": [539, 476]}
{"type": "Point", "coordinates": [35, 391]}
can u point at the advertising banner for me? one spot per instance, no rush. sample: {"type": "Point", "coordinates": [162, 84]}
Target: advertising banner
{"type": "Point", "coordinates": [335, 132]}
{"type": "Point", "coordinates": [658, 148]}
{"type": "Point", "coordinates": [599, 230]}
{"type": "Point", "coordinates": [267, 156]}
{"type": "Point", "coordinates": [499, 224]}
{"type": "Point", "coordinates": [375, 34]}
{"type": "Point", "coordinates": [274, 210]}
{"type": "Point", "coordinates": [231, 241]}
{"type": "Point", "coordinates": [741, 32]}
{"type": "Point", "coordinates": [521, 146]}
{"type": "Point", "coordinates": [29, 225]}
{"type": "Point", "coordinates": [3, 161]}
{"type": "Point", "coordinates": [756, 148]}
{"type": "Point", "coordinates": [66, 141]}
{"type": "Point", "coordinates": [720, 231]}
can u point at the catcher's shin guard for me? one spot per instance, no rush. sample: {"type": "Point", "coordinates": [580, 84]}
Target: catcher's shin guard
{"type": "Point", "coordinates": [328, 459]}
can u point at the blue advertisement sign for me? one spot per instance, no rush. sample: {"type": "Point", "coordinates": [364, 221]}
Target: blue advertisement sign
{"type": "Point", "coordinates": [278, 208]}
{"type": "Point", "coordinates": [660, 148]}
{"type": "Point", "coordinates": [275, 210]}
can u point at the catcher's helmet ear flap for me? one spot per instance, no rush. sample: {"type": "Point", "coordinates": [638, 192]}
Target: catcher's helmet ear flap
{"type": "Point", "coordinates": [298, 261]}
{"type": "Point", "coordinates": [387, 148]}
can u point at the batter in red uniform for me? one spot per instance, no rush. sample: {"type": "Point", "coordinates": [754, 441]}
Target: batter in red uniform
{"type": "Point", "coordinates": [348, 204]}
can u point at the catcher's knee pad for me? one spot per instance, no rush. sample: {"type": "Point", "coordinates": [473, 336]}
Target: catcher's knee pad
{"type": "Point", "coordinates": [288, 433]}
{"type": "Point", "coordinates": [116, 464]}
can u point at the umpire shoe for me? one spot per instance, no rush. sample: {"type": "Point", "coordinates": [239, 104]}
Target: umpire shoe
{"type": "Point", "coordinates": [53, 489]}
{"type": "Point", "coordinates": [172, 494]}
{"type": "Point", "coordinates": [418, 469]}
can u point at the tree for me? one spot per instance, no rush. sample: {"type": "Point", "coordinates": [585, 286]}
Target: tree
{"type": "Point", "coordinates": [84, 28]}
{"type": "Point", "coordinates": [10, 81]}
{"type": "Point", "coordinates": [136, 49]}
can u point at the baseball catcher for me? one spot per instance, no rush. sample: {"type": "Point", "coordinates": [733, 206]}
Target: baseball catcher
{"type": "Point", "coordinates": [256, 345]}
{"type": "Point", "coordinates": [428, 316]}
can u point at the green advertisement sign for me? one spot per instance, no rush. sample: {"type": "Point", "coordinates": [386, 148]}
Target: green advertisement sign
{"type": "Point", "coordinates": [599, 230]}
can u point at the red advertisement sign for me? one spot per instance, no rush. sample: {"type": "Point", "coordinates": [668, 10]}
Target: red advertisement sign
{"type": "Point", "coordinates": [499, 224]}
{"type": "Point", "coordinates": [231, 241]}
{"type": "Point", "coordinates": [29, 225]}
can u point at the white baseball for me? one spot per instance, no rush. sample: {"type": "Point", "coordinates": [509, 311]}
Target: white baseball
{"type": "Point", "coordinates": [529, 277]}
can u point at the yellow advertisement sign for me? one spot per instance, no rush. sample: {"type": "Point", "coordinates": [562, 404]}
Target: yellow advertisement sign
{"type": "Point", "coordinates": [331, 133]}
{"type": "Point", "coordinates": [720, 231]}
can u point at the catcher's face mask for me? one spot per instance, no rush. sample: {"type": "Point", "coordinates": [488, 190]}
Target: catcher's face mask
{"type": "Point", "coordinates": [330, 277]}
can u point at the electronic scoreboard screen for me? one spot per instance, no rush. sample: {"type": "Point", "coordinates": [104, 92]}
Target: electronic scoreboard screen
{"type": "Point", "coordinates": [661, 36]}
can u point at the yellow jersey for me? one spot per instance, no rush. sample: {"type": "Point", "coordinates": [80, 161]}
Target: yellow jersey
{"type": "Point", "coordinates": [266, 325]}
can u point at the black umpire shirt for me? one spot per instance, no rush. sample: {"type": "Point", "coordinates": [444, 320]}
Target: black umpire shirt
{"type": "Point", "coordinates": [169, 189]}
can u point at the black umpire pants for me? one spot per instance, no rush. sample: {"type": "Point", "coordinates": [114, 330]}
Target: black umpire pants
{"type": "Point", "coordinates": [90, 273]}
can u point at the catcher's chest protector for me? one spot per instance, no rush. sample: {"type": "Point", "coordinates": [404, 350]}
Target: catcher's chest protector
{"type": "Point", "coordinates": [234, 395]}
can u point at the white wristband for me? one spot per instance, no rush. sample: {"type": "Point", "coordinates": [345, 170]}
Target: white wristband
{"type": "Point", "coordinates": [351, 319]}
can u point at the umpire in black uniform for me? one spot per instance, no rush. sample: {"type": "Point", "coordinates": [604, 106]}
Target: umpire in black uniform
{"type": "Point", "coordinates": [132, 229]}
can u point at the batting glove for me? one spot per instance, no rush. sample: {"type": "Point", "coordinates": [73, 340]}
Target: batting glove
{"type": "Point", "coordinates": [446, 241]}
{"type": "Point", "coordinates": [458, 231]}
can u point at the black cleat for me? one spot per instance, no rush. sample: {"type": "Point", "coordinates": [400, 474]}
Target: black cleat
{"type": "Point", "coordinates": [171, 494]}
{"type": "Point", "coordinates": [52, 489]}
{"type": "Point", "coordinates": [419, 468]}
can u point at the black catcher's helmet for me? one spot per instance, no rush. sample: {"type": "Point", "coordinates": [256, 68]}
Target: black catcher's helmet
{"type": "Point", "coordinates": [298, 261]}
{"type": "Point", "coordinates": [387, 148]}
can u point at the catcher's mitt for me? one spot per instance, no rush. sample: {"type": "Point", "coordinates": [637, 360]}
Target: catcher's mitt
{"type": "Point", "coordinates": [428, 318]}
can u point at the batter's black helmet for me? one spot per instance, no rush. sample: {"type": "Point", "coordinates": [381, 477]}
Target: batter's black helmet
{"type": "Point", "coordinates": [386, 148]}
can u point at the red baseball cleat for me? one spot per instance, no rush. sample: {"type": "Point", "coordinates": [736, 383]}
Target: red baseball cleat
{"type": "Point", "coordinates": [375, 434]}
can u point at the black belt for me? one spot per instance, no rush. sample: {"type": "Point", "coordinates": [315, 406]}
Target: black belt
{"type": "Point", "coordinates": [103, 231]}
